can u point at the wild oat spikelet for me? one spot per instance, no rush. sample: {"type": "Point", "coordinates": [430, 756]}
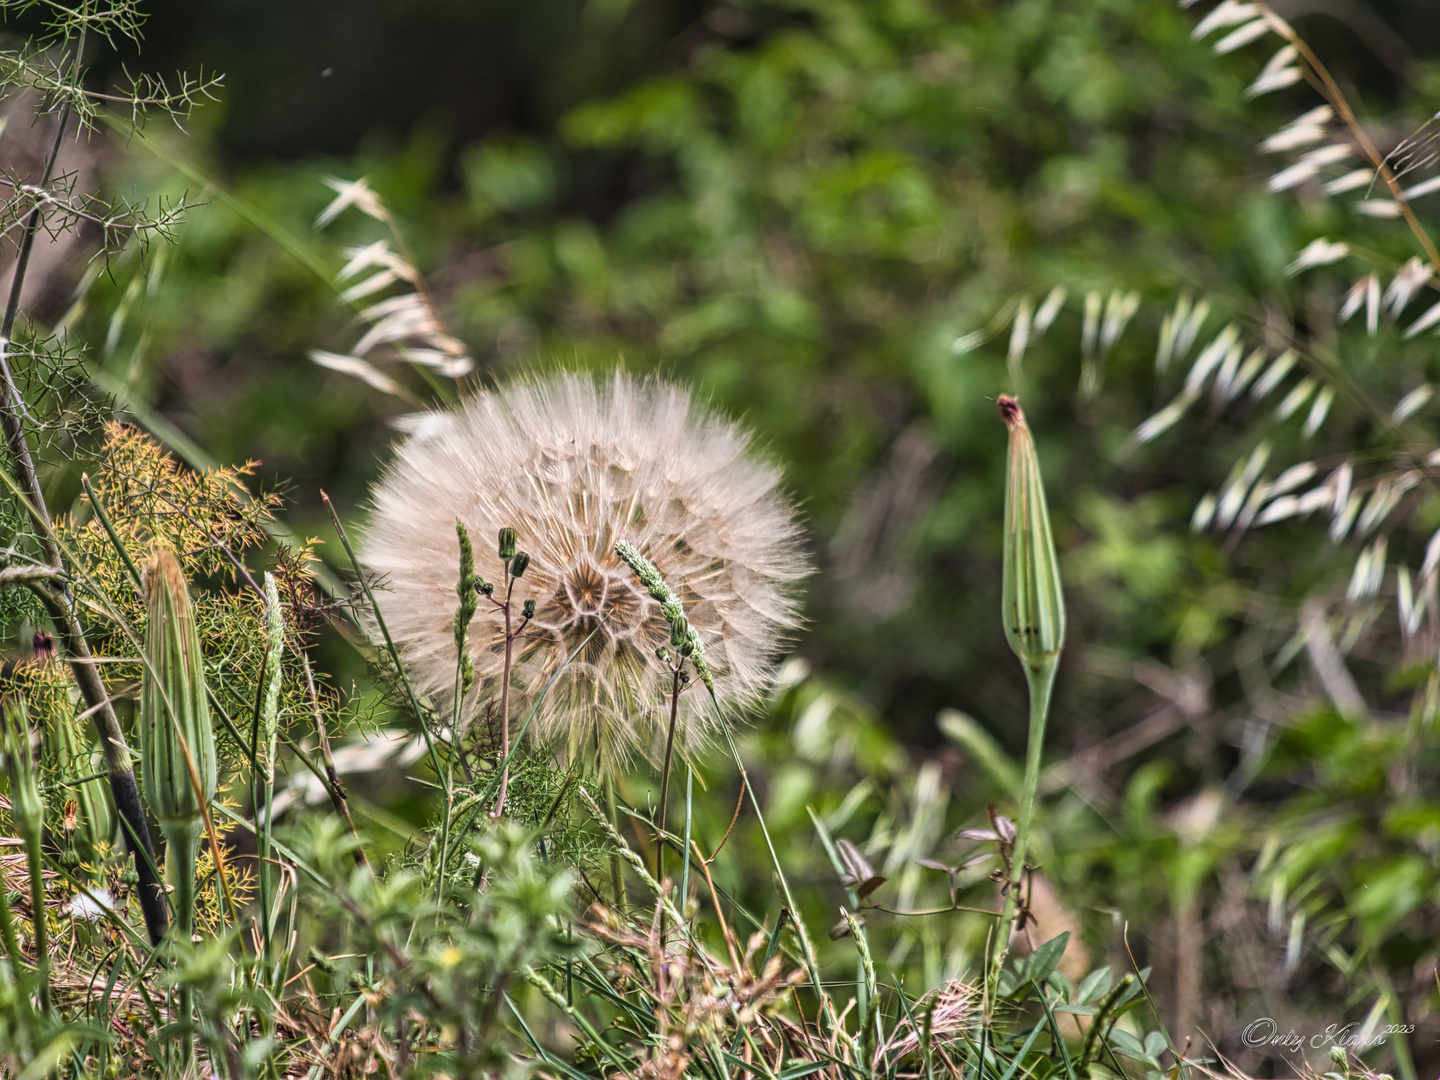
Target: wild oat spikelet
{"type": "Point", "coordinates": [575, 464]}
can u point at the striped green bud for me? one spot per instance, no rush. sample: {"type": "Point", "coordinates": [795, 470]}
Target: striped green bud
{"type": "Point", "coordinates": [1033, 603]}
{"type": "Point", "coordinates": [175, 731]}
{"type": "Point", "coordinates": [519, 564]}
{"type": "Point", "coordinates": [507, 544]}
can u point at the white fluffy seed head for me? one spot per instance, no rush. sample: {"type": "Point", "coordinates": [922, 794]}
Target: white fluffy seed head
{"type": "Point", "coordinates": [575, 464]}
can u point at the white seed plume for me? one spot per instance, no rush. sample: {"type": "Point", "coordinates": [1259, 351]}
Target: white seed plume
{"type": "Point", "coordinates": [575, 464]}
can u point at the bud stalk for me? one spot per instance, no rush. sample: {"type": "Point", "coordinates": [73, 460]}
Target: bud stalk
{"type": "Point", "coordinates": [1033, 610]}
{"type": "Point", "coordinates": [177, 742]}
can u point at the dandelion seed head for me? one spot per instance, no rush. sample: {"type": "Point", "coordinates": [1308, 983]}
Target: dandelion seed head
{"type": "Point", "coordinates": [575, 464]}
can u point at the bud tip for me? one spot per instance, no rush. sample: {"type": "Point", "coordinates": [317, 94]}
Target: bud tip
{"type": "Point", "coordinates": [1010, 411]}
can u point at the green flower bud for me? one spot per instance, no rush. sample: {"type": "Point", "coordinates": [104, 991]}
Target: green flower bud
{"type": "Point", "coordinates": [174, 708]}
{"type": "Point", "coordinates": [484, 588]}
{"type": "Point", "coordinates": [680, 632]}
{"type": "Point", "coordinates": [507, 544]}
{"type": "Point", "coordinates": [1033, 603]}
{"type": "Point", "coordinates": [177, 743]}
{"type": "Point", "coordinates": [528, 609]}
{"type": "Point", "coordinates": [519, 564]}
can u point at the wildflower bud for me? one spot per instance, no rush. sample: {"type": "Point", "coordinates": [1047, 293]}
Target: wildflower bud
{"type": "Point", "coordinates": [177, 743]}
{"type": "Point", "coordinates": [680, 633]}
{"type": "Point", "coordinates": [1033, 603]}
{"type": "Point", "coordinates": [484, 588]}
{"type": "Point", "coordinates": [528, 609]}
{"type": "Point", "coordinates": [174, 707]}
{"type": "Point", "coordinates": [662, 654]}
{"type": "Point", "coordinates": [519, 564]}
{"type": "Point", "coordinates": [507, 544]}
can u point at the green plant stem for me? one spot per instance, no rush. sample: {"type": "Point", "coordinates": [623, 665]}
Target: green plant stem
{"type": "Point", "coordinates": [37, 911]}
{"type": "Point", "coordinates": [665, 780]}
{"type": "Point", "coordinates": [617, 873]}
{"type": "Point", "coordinates": [7, 932]}
{"type": "Point", "coordinates": [181, 847]}
{"type": "Point", "coordinates": [1041, 680]}
{"type": "Point", "coordinates": [505, 703]}
{"type": "Point", "coordinates": [685, 850]}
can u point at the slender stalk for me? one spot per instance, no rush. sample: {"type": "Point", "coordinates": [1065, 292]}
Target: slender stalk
{"type": "Point", "coordinates": [617, 874]}
{"type": "Point", "coordinates": [505, 704]}
{"type": "Point", "coordinates": [7, 933]}
{"type": "Point", "coordinates": [37, 913]}
{"type": "Point", "coordinates": [1041, 680]}
{"type": "Point", "coordinates": [665, 776]}
{"type": "Point", "coordinates": [685, 849]}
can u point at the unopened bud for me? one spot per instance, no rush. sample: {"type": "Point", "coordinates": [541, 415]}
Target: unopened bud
{"type": "Point", "coordinates": [680, 633]}
{"type": "Point", "coordinates": [519, 564]}
{"type": "Point", "coordinates": [175, 731]}
{"type": "Point", "coordinates": [528, 609]}
{"type": "Point", "coordinates": [662, 654]}
{"type": "Point", "coordinates": [1033, 602]}
{"type": "Point", "coordinates": [507, 544]}
{"type": "Point", "coordinates": [484, 588]}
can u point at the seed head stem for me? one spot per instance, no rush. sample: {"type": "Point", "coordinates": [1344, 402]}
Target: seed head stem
{"type": "Point", "coordinates": [665, 775]}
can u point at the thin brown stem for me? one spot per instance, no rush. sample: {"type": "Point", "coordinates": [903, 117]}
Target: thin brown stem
{"type": "Point", "coordinates": [739, 803]}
